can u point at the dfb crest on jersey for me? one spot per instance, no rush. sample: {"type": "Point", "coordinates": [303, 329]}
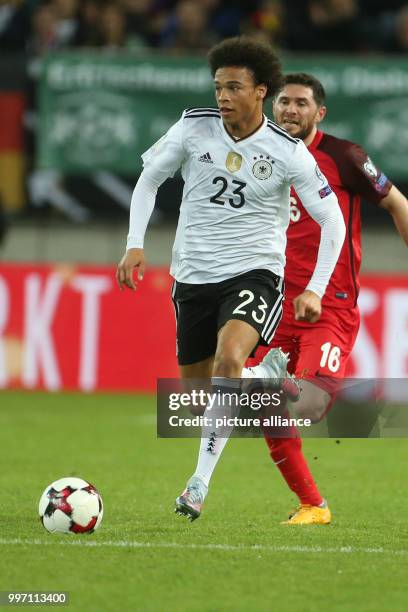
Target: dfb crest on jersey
{"type": "Point", "coordinates": [262, 169]}
{"type": "Point", "coordinates": [233, 161]}
{"type": "Point", "coordinates": [370, 169]}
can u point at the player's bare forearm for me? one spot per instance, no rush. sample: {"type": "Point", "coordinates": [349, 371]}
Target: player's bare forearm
{"type": "Point", "coordinates": [133, 258]}
{"type": "Point", "coordinates": [308, 306]}
{"type": "Point", "coordinates": [397, 205]}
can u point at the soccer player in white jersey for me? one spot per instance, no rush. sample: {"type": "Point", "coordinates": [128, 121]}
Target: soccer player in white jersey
{"type": "Point", "coordinates": [229, 251]}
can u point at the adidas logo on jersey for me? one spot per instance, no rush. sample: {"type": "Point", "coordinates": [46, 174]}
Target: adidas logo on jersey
{"type": "Point", "coordinates": [206, 158]}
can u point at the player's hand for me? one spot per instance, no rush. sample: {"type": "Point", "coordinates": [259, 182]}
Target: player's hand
{"type": "Point", "coordinates": [308, 307]}
{"type": "Point", "coordinates": [133, 258]}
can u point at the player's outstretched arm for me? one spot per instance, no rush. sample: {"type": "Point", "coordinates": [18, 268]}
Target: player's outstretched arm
{"type": "Point", "coordinates": [133, 259]}
{"type": "Point", "coordinates": [397, 205]}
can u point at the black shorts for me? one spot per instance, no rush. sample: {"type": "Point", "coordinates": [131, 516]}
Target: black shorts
{"type": "Point", "coordinates": [201, 310]}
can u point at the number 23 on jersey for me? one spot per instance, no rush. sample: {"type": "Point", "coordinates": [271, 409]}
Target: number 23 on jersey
{"type": "Point", "coordinates": [239, 197]}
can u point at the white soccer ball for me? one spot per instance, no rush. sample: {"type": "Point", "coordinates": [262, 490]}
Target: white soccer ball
{"type": "Point", "coordinates": [71, 505]}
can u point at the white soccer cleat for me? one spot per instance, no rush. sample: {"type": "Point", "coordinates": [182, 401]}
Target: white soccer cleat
{"type": "Point", "coordinates": [190, 502]}
{"type": "Point", "coordinates": [274, 374]}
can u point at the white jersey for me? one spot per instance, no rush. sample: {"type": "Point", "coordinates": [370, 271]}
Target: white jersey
{"type": "Point", "coordinates": [235, 207]}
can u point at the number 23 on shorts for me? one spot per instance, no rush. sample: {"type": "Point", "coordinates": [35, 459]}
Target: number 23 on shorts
{"type": "Point", "coordinates": [259, 313]}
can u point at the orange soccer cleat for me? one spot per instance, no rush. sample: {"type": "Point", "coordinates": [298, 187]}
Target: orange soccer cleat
{"type": "Point", "coordinates": [310, 515]}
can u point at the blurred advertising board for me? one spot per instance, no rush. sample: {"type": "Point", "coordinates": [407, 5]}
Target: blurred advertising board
{"type": "Point", "coordinates": [101, 111]}
{"type": "Point", "coordinates": [69, 327]}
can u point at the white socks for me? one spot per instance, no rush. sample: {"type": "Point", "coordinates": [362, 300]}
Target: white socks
{"type": "Point", "coordinates": [214, 439]}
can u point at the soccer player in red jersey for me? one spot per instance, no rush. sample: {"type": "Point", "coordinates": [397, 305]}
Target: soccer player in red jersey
{"type": "Point", "coordinates": [319, 351]}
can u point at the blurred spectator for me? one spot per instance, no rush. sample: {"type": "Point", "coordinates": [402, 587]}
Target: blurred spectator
{"type": "Point", "coordinates": [139, 20]}
{"type": "Point", "coordinates": [113, 26]}
{"type": "Point", "coordinates": [187, 28]}
{"type": "Point", "coordinates": [55, 25]}
{"type": "Point", "coordinates": [43, 30]}
{"type": "Point", "coordinates": [89, 21]}
{"type": "Point", "coordinates": [387, 32]}
{"type": "Point", "coordinates": [194, 25]}
{"type": "Point", "coordinates": [324, 25]}
{"type": "Point", "coordinates": [67, 22]}
{"type": "Point", "coordinates": [15, 16]}
{"type": "Point", "coordinates": [401, 30]}
{"type": "Point", "coordinates": [375, 7]}
{"type": "Point", "coordinates": [267, 22]}
{"type": "Point", "coordinates": [332, 11]}
{"type": "Point", "coordinates": [224, 17]}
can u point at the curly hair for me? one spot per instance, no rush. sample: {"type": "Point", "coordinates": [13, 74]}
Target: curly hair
{"type": "Point", "coordinates": [256, 56]}
{"type": "Point", "coordinates": [307, 80]}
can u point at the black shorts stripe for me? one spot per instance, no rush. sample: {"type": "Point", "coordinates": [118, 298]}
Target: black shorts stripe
{"type": "Point", "coordinates": [271, 314]}
{"type": "Point", "coordinates": [173, 299]}
{"type": "Point", "coordinates": [275, 324]}
{"type": "Point", "coordinates": [173, 294]}
{"type": "Point", "coordinates": [270, 332]}
{"type": "Point", "coordinates": [270, 324]}
{"type": "Point", "coordinates": [176, 309]}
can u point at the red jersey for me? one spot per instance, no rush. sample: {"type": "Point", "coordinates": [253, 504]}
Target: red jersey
{"type": "Point", "coordinates": [352, 175]}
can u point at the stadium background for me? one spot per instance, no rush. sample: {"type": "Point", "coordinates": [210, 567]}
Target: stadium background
{"type": "Point", "coordinates": [85, 85]}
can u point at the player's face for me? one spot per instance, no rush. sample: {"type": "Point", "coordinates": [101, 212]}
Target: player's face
{"type": "Point", "coordinates": [238, 97]}
{"type": "Point", "coordinates": [296, 110]}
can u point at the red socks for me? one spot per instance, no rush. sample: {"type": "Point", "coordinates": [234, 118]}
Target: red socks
{"type": "Point", "coordinates": [287, 455]}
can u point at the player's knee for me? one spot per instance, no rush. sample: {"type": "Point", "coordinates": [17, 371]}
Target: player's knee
{"type": "Point", "coordinates": [228, 362]}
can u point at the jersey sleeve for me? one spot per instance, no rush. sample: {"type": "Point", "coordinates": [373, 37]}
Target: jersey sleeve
{"type": "Point", "coordinates": [322, 205]}
{"type": "Point", "coordinates": [167, 154]}
{"type": "Point", "coordinates": [306, 177]}
{"type": "Point", "coordinates": [159, 163]}
{"type": "Point", "coordinates": [360, 175]}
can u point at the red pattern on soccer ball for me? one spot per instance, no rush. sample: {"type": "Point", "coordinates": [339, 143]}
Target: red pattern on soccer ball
{"type": "Point", "coordinates": [75, 528]}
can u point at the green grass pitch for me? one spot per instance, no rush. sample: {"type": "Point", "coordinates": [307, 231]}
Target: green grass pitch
{"type": "Point", "coordinates": [236, 557]}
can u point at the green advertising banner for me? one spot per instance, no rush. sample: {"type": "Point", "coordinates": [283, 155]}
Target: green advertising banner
{"type": "Point", "coordinates": [101, 111]}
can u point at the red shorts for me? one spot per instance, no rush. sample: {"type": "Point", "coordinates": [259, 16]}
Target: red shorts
{"type": "Point", "coordinates": [318, 351]}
